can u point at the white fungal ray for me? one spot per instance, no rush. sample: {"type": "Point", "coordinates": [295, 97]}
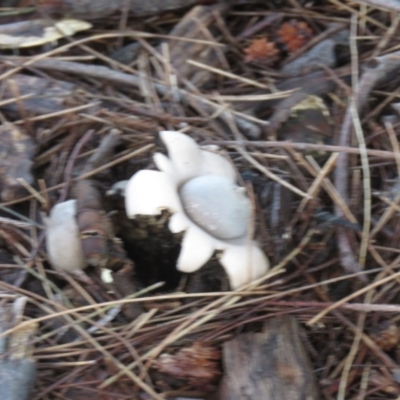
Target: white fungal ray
{"type": "Point", "coordinates": [198, 187]}
{"type": "Point", "coordinates": [183, 153]}
{"type": "Point", "coordinates": [150, 192]}
{"type": "Point", "coordinates": [62, 238]}
{"type": "Point", "coordinates": [215, 164]}
{"type": "Point", "coordinates": [244, 263]}
{"type": "Point", "coordinates": [197, 247]}
{"type": "Point", "coordinates": [187, 160]}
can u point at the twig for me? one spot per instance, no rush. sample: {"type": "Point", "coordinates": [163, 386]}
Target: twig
{"type": "Point", "coordinates": [103, 152]}
{"type": "Point", "coordinates": [88, 174]}
{"type": "Point", "coordinates": [346, 299]}
{"type": "Point", "coordinates": [253, 29]}
{"type": "Point", "coordinates": [269, 174]}
{"type": "Point", "coordinates": [285, 144]}
{"type": "Point", "coordinates": [68, 169]}
{"type": "Point", "coordinates": [369, 79]}
{"type": "Point", "coordinates": [318, 181]}
{"type": "Point", "coordinates": [387, 5]}
{"type": "Point", "coordinates": [366, 185]}
{"type": "Point", "coordinates": [121, 78]}
{"type": "Point", "coordinates": [393, 205]}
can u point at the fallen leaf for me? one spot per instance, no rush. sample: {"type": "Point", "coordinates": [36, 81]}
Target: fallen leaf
{"type": "Point", "coordinates": [199, 364]}
{"type": "Point", "coordinates": [38, 32]}
{"type": "Point", "coordinates": [385, 335]}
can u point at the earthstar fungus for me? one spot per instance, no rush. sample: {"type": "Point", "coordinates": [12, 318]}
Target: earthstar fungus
{"type": "Point", "coordinates": [198, 186]}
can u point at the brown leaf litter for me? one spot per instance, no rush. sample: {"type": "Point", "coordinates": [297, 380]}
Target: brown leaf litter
{"type": "Point", "coordinates": [302, 95]}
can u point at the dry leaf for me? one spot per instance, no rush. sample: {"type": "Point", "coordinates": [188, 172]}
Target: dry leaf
{"type": "Point", "coordinates": [37, 32]}
{"type": "Point", "coordinates": [199, 364]}
{"type": "Point", "coordinates": [385, 335]}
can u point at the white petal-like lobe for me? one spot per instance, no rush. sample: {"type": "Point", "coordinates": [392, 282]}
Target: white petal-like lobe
{"type": "Point", "coordinates": [196, 249]}
{"type": "Point", "coordinates": [216, 164]}
{"type": "Point", "coordinates": [179, 222]}
{"type": "Point", "coordinates": [118, 188]}
{"type": "Point", "coordinates": [149, 192]}
{"type": "Point", "coordinates": [184, 153]}
{"type": "Point", "coordinates": [243, 264]}
{"type": "Point", "coordinates": [163, 163]}
{"type": "Point", "coordinates": [62, 238]}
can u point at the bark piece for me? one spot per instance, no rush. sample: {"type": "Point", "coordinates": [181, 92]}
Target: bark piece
{"type": "Point", "coordinates": [272, 365]}
{"type": "Point", "coordinates": [94, 226]}
{"type": "Point", "coordinates": [89, 9]}
{"type": "Point", "coordinates": [100, 247]}
{"type": "Point", "coordinates": [35, 96]}
{"type": "Point", "coordinates": [16, 153]}
{"type": "Point", "coordinates": [17, 367]}
{"type": "Point", "coordinates": [196, 24]}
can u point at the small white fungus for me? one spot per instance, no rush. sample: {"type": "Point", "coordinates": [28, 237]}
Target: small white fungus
{"type": "Point", "coordinates": [62, 238]}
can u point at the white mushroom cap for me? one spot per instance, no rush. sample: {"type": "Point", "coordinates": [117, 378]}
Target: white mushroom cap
{"type": "Point", "coordinates": [62, 238]}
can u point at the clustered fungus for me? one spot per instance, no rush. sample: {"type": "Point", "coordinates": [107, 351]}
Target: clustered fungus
{"type": "Point", "coordinates": [198, 187]}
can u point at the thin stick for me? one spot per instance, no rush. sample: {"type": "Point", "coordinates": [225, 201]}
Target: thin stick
{"type": "Point", "coordinates": [318, 181]}
{"type": "Point", "coordinates": [70, 164]}
{"type": "Point", "coordinates": [366, 185]}
{"type": "Point", "coordinates": [346, 299]}
{"type": "Point", "coordinates": [331, 190]}
{"type": "Point", "coordinates": [270, 174]}
{"type": "Point", "coordinates": [115, 162]}
{"type": "Point", "coordinates": [391, 5]}
{"type": "Point", "coordinates": [286, 144]}
{"type": "Point", "coordinates": [394, 142]}
{"type": "Point", "coordinates": [229, 74]}
{"type": "Point", "coordinates": [33, 192]}
{"type": "Point", "coordinates": [88, 174]}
